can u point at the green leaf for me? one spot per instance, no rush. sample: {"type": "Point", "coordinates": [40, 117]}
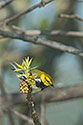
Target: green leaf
{"type": "Point", "coordinates": [30, 62]}
{"type": "Point", "coordinates": [16, 70]}
{"type": "Point", "coordinates": [18, 65]}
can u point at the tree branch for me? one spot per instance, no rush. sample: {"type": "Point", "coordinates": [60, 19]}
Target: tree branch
{"type": "Point", "coordinates": [42, 113]}
{"type": "Point", "coordinates": [5, 3]}
{"type": "Point", "coordinates": [22, 116]}
{"type": "Point", "coordinates": [32, 108]}
{"type": "Point", "coordinates": [71, 17]}
{"type": "Point", "coordinates": [5, 100]}
{"type": "Point", "coordinates": [48, 95]}
{"type": "Point", "coordinates": [48, 43]}
{"type": "Point", "coordinates": [49, 33]}
{"type": "Point", "coordinates": [8, 20]}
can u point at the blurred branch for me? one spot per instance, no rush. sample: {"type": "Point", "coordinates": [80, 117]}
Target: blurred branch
{"type": "Point", "coordinates": [5, 3]}
{"type": "Point", "coordinates": [5, 100]}
{"type": "Point", "coordinates": [71, 17]}
{"type": "Point", "coordinates": [48, 95]}
{"type": "Point", "coordinates": [49, 33]}
{"type": "Point", "coordinates": [8, 57]}
{"type": "Point", "coordinates": [48, 43]}
{"type": "Point", "coordinates": [42, 114]}
{"type": "Point", "coordinates": [22, 116]}
{"type": "Point", "coordinates": [8, 20]}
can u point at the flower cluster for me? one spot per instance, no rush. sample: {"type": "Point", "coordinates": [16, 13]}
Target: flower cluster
{"type": "Point", "coordinates": [25, 75]}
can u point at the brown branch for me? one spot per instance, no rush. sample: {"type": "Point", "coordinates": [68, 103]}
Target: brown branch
{"type": "Point", "coordinates": [48, 43]}
{"type": "Point", "coordinates": [32, 108]}
{"type": "Point", "coordinates": [49, 33]}
{"type": "Point", "coordinates": [5, 100]}
{"type": "Point", "coordinates": [8, 20]}
{"type": "Point", "coordinates": [22, 116]}
{"type": "Point", "coordinates": [71, 17]}
{"type": "Point", "coordinates": [48, 95]}
{"type": "Point", "coordinates": [5, 3]}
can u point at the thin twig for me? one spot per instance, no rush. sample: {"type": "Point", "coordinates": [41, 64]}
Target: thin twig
{"type": "Point", "coordinates": [71, 17]}
{"type": "Point", "coordinates": [48, 43]}
{"type": "Point", "coordinates": [6, 21]}
{"type": "Point", "coordinates": [5, 3]}
{"type": "Point", "coordinates": [22, 116]}
{"type": "Point", "coordinates": [5, 100]}
{"type": "Point", "coordinates": [32, 108]}
{"type": "Point", "coordinates": [49, 33]}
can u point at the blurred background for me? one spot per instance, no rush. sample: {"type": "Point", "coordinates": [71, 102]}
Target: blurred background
{"type": "Point", "coordinates": [66, 69]}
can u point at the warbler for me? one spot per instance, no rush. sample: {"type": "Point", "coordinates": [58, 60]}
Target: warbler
{"type": "Point", "coordinates": [43, 80]}
{"type": "Point", "coordinates": [31, 76]}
